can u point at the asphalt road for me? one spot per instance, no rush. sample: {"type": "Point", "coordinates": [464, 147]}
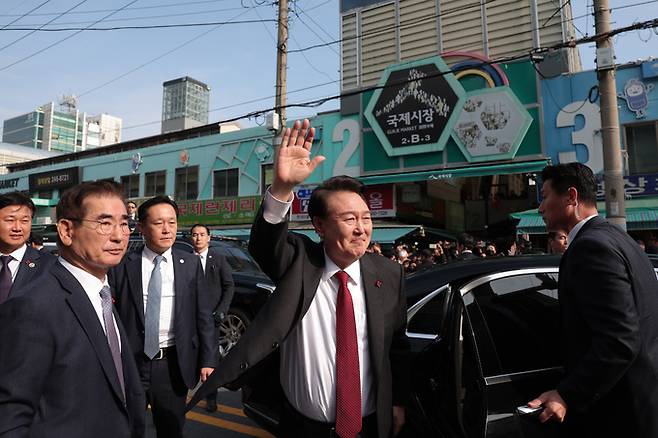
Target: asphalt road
{"type": "Point", "coordinates": [227, 422]}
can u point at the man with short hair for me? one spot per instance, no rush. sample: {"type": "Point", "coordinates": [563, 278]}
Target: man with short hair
{"type": "Point", "coordinates": [163, 301]}
{"type": "Point", "coordinates": [465, 246]}
{"type": "Point", "coordinates": [609, 314]}
{"type": "Point", "coordinates": [557, 242]}
{"type": "Point", "coordinates": [132, 215]}
{"type": "Point", "coordinates": [66, 369]}
{"type": "Point", "coordinates": [335, 326]}
{"type": "Point", "coordinates": [19, 262]}
{"type": "Point", "coordinates": [220, 285]}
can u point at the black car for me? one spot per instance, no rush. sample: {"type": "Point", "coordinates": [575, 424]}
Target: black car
{"type": "Point", "coordinates": [252, 286]}
{"type": "Point", "coordinates": [484, 338]}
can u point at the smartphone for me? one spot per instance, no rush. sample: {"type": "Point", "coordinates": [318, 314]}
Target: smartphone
{"type": "Point", "coordinates": [528, 411]}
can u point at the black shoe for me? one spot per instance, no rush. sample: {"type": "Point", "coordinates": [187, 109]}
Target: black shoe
{"type": "Point", "coordinates": [211, 405]}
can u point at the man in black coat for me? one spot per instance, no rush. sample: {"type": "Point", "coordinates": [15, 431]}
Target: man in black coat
{"type": "Point", "coordinates": [163, 301]}
{"type": "Point", "coordinates": [66, 368]}
{"type": "Point", "coordinates": [220, 285]}
{"type": "Point", "coordinates": [19, 262]}
{"type": "Point", "coordinates": [337, 318]}
{"type": "Point", "coordinates": [608, 296]}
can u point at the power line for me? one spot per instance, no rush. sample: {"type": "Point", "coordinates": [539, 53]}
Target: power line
{"type": "Point", "coordinates": [25, 58]}
{"type": "Point", "coordinates": [162, 55]}
{"type": "Point", "coordinates": [313, 21]}
{"type": "Point", "coordinates": [99, 11]}
{"type": "Point", "coordinates": [143, 17]}
{"type": "Point", "coordinates": [152, 26]}
{"type": "Point", "coordinates": [28, 34]}
{"type": "Point", "coordinates": [20, 17]}
{"type": "Point", "coordinates": [314, 32]}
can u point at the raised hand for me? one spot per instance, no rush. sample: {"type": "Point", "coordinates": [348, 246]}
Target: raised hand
{"type": "Point", "coordinates": [292, 162]}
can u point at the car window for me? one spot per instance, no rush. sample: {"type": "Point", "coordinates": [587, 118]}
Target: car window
{"type": "Point", "coordinates": [515, 321]}
{"type": "Point", "coordinates": [428, 319]}
{"type": "Point", "coordinates": [237, 257]}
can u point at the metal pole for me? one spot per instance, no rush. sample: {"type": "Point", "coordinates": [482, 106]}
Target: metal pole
{"type": "Point", "coordinates": [612, 163]}
{"type": "Point", "coordinates": [281, 65]}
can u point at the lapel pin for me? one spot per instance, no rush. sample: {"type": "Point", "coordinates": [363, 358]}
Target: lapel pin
{"type": "Point", "coordinates": [182, 261]}
{"type": "Point", "coordinates": [30, 264]}
{"type": "Point", "coordinates": [378, 283]}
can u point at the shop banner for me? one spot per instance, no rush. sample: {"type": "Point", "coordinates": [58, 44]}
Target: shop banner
{"type": "Point", "coordinates": [381, 200]}
{"type": "Point", "coordinates": [222, 211]}
{"type": "Point", "coordinates": [634, 186]}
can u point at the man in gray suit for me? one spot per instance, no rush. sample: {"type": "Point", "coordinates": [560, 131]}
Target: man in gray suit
{"type": "Point", "coordinates": [66, 367]}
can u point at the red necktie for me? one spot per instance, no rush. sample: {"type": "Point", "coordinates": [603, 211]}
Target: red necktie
{"type": "Point", "coordinates": [348, 381]}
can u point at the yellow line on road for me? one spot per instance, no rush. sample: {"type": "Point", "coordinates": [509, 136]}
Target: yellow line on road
{"type": "Point", "coordinates": [230, 425]}
{"type": "Point", "coordinates": [224, 409]}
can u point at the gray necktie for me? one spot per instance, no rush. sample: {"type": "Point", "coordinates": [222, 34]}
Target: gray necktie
{"type": "Point", "coordinates": [152, 314]}
{"type": "Point", "coordinates": [5, 278]}
{"type": "Point", "coordinates": [111, 333]}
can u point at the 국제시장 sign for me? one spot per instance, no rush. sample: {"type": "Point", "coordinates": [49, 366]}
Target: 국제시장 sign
{"type": "Point", "coordinates": [221, 211]}
{"type": "Point", "coordinates": [415, 107]}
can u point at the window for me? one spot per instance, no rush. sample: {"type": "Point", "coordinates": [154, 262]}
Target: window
{"type": "Point", "coordinates": [155, 183]}
{"type": "Point", "coordinates": [225, 183]}
{"type": "Point", "coordinates": [187, 183]}
{"type": "Point", "coordinates": [130, 184]}
{"type": "Point", "coordinates": [515, 320]}
{"type": "Point", "coordinates": [642, 148]}
{"type": "Point", "coordinates": [266, 177]}
{"type": "Point", "coordinates": [429, 318]}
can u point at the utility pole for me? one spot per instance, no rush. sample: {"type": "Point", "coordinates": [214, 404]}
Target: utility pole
{"type": "Point", "coordinates": [615, 205]}
{"type": "Point", "coordinates": [281, 66]}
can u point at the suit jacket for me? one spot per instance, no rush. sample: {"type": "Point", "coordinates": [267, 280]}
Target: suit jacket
{"type": "Point", "coordinates": [608, 296]}
{"type": "Point", "coordinates": [57, 377]}
{"type": "Point", "coordinates": [295, 263]}
{"type": "Point", "coordinates": [220, 281]}
{"type": "Point", "coordinates": [193, 326]}
{"type": "Point", "coordinates": [34, 264]}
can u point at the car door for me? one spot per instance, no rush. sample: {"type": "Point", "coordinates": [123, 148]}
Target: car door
{"type": "Point", "coordinates": [508, 352]}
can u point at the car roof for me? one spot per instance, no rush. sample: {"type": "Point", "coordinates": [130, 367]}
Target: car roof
{"type": "Point", "coordinates": [418, 284]}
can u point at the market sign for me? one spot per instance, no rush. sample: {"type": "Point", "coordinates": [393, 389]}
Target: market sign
{"type": "Point", "coordinates": [55, 179]}
{"type": "Point", "coordinates": [491, 125]}
{"type": "Point", "coordinates": [221, 211]}
{"type": "Point", "coordinates": [381, 201]}
{"type": "Point", "coordinates": [415, 106]}
{"type": "Point", "coordinates": [634, 186]}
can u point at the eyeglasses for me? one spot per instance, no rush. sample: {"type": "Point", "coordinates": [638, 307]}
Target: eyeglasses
{"type": "Point", "coordinates": [106, 227]}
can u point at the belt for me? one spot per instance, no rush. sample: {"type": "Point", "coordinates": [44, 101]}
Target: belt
{"type": "Point", "coordinates": [305, 426]}
{"type": "Point", "coordinates": [163, 353]}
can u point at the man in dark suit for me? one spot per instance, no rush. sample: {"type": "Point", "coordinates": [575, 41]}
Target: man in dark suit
{"type": "Point", "coordinates": [19, 262]}
{"type": "Point", "coordinates": [608, 296]}
{"type": "Point", "coordinates": [165, 306]}
{"type": "Point", "coordinates": [67, 369]}
{"type": "Point", "coordinates": [220, 285]}
{"type": "Point", "coordinates": [337, 317]}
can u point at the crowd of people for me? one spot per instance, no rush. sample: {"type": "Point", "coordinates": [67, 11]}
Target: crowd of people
{"type": "Point", "coordinates": [88, 340]}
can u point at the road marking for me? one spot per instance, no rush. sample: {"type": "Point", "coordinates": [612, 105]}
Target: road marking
{"type": "Point", "coordinates": [230, 425]}
{"type": "Point", "coordinates": [224, 409]}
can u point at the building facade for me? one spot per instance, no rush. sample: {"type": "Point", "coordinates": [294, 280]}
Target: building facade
{"type": "Point", "coordinates": [103, 130]}
{"type": "Point", "coordinates": [185, 104]}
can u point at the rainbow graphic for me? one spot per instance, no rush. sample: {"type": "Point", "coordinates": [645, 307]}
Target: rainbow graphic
{"type": "Point", "coordinates": [473, 65]}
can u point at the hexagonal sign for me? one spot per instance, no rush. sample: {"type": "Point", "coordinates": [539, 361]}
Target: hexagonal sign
{"type": "Point", "coordinates": [415, 106]}
{"type": "Point", "coordinates": [491, 125]}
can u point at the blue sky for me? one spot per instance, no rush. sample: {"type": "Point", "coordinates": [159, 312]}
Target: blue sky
{"type": "Point", "coordinates": [236, 60]}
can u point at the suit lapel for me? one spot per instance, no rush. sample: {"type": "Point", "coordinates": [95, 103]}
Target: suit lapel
{"type": "Point", "coordinates": [134, 271]}
{"type": "Point", "coordinates": [88, 319]}
{"type": "Point", "coordinates": [313, 267]}
{"type": "Point", "coordinates": [27, 267]}
{"type": "Point", "coordinates": [374, 308]}
{"type": "Point", "coordinates": [179, 282]}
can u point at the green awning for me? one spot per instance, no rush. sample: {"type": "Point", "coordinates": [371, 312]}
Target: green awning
{"type": "Point", "coordinates": [239, 233]}
{"type": "Point", "coordinates": [531, 222]}
{"type": "Point", "coordinates": [458, 172]}
{"type": "Point", "coordinates": [381, 235]}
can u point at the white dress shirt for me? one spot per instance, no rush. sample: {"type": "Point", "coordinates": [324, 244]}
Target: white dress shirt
{"type": "Point", "coordinates": [203, 256]}
{"type": "Point", "coordinates": [92, 287]}
{"type": "Point", "coordinates": [308, 355]}
{"type": "Point", "coordinates": [577, 227]}
{"type": "Point", "coordinates": [167, 338]}
{"type": "Point", "coordinates": [15, 262]}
